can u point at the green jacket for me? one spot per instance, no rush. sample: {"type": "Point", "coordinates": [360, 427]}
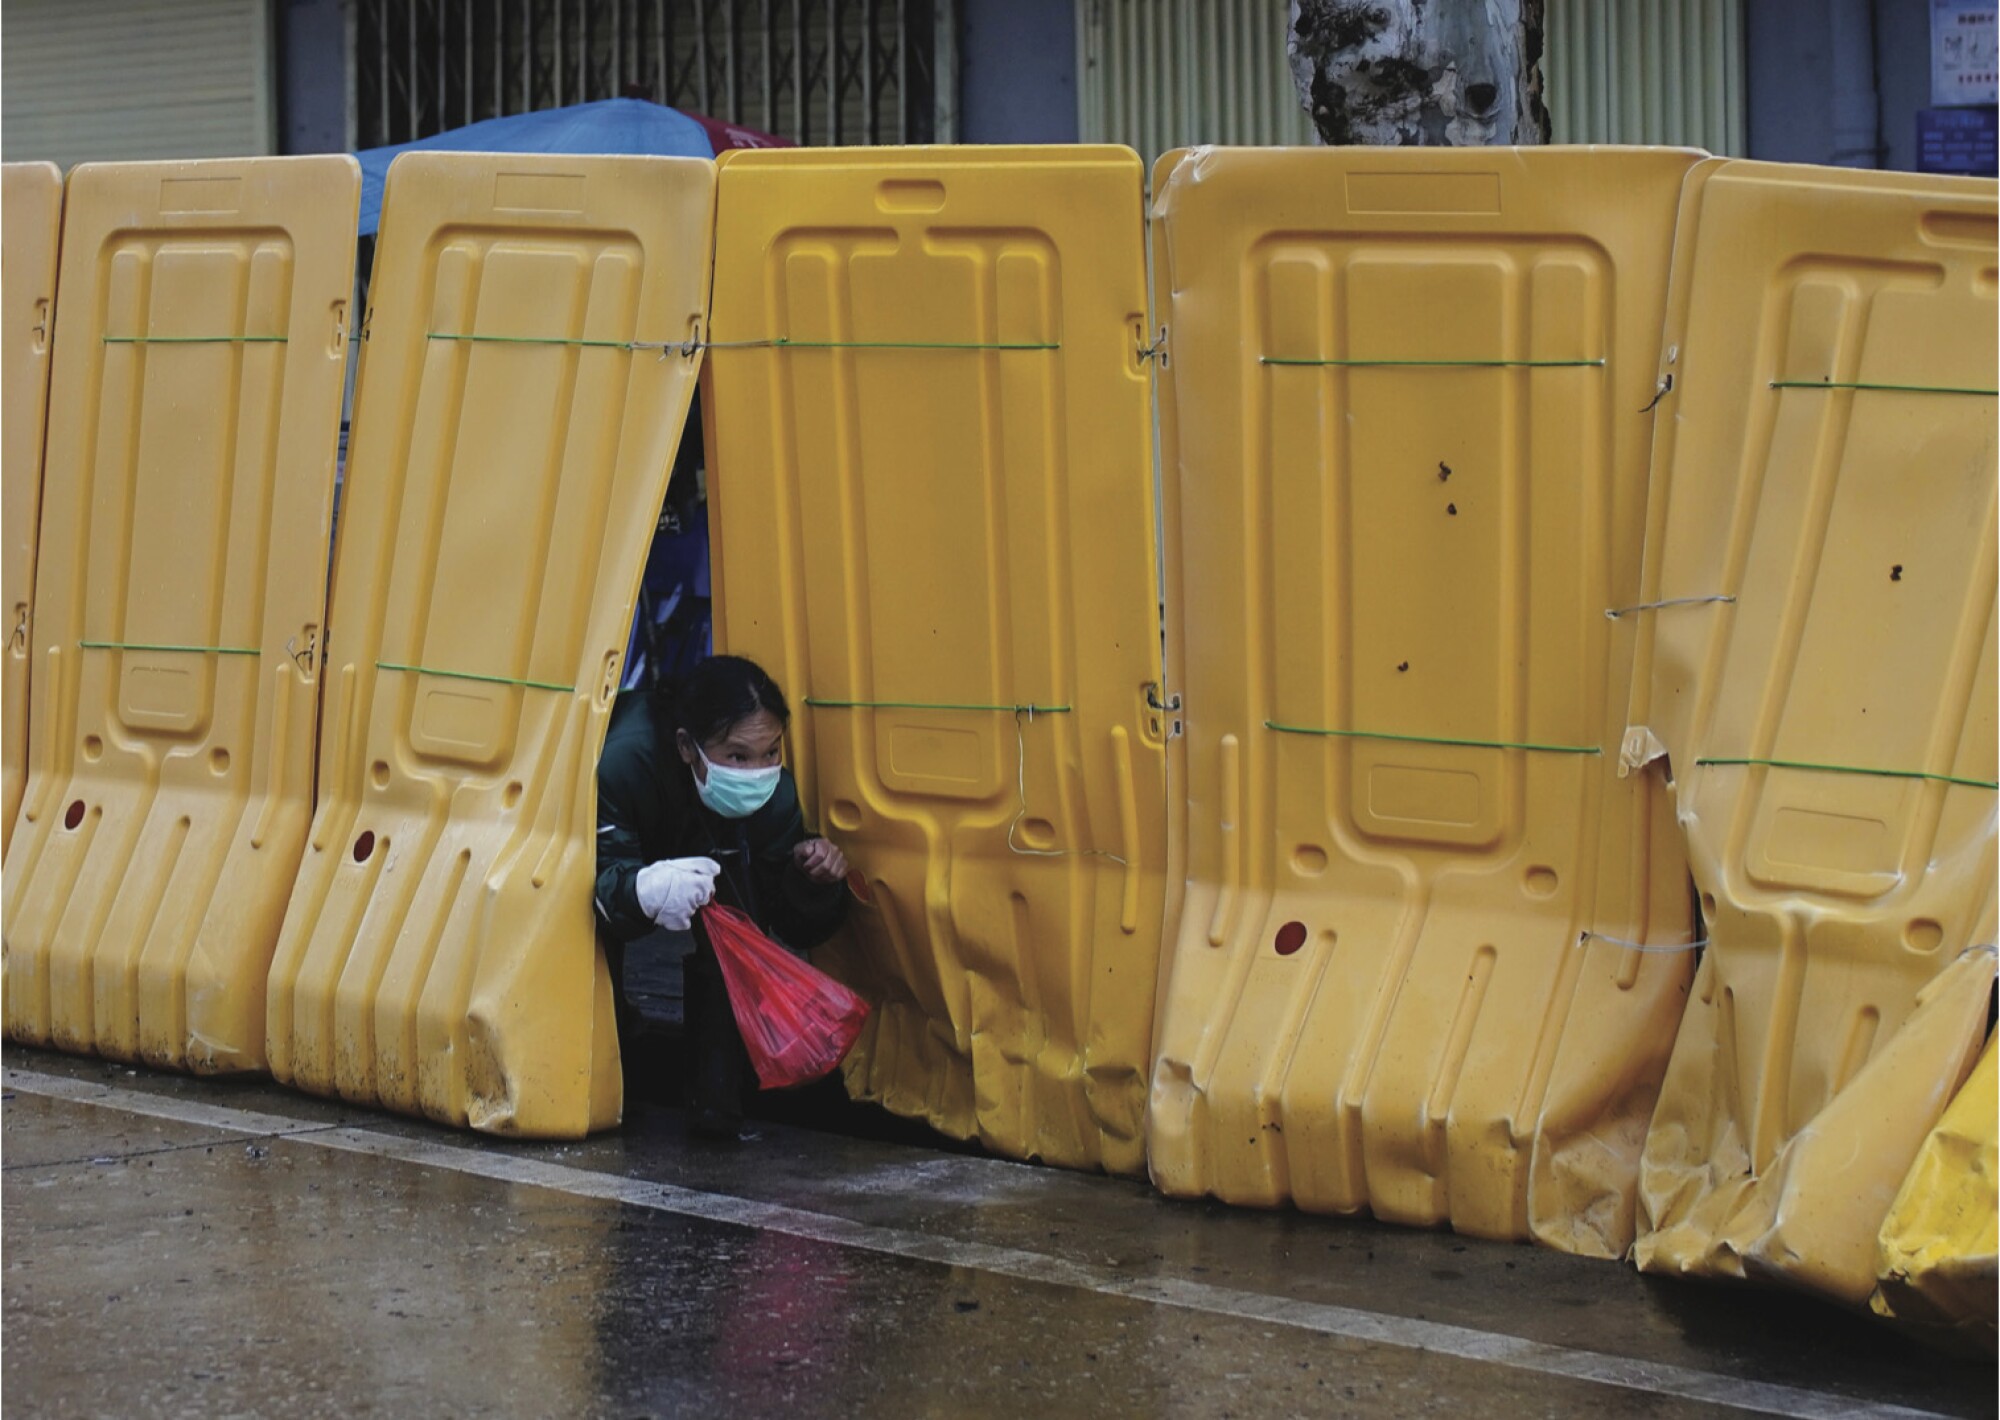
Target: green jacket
{"type": "Point", "coordinates": [648, 809]}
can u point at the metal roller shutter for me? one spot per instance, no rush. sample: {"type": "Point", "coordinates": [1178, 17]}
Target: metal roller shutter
{"type": "Point", "coordinates": [1160, 74]}
{"type": "Point", "coordinates": [1646, 71]}
{"type": "Point", "coordinates": [130, 79]}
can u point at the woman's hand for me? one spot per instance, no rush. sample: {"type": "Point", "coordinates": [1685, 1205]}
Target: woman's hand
{"type": "Point", "coordinates": [672, 890]}
{"type": "Point", "coordinates": [820, 861]}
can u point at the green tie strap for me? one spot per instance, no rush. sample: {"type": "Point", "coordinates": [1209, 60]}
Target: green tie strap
{"type": "Point", "coordinates": [783, 342]}
{"type": "Point", "coordinates": [776, 343]}
{"type": "Point", "coordinates": [818, 704]}
{"type": "Point", "coordinates": [1437, 364]}
{"type": "Point", "coordinates": [1867, 385]}
{"type": "Point", "coordinates": [549, 340]}
{"type": "Point", "coordinates": [194, 339]}
{"type": "Point", "coordinates": [1852, 769]}
{"type": "Point", "coordinates": [1431, 739]}
{"type": "Point", "coordinates": [475, 676]}
{"type": "Point", "coordinates": [169, 649]}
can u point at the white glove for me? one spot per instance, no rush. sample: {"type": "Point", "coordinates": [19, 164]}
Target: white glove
{"type": "Point", "coordinates": [671, 889]}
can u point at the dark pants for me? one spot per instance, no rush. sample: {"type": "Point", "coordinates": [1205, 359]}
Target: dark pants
{"type": "Point", "coordinates": [711, 1062]}
{"type": "Point", "coordinates": [722, 1074]}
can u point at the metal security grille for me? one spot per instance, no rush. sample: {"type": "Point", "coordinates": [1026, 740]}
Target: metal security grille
{"type": "Point", "coordinates": [1158, 74]}
{"type": "Point", "coordinates": [1646, 71]}
{"type": "Point", "coordinates": [813, 71]}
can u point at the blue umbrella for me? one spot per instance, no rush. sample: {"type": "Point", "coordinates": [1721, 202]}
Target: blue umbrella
{"type": "Point", "coordinates": [608, 126]}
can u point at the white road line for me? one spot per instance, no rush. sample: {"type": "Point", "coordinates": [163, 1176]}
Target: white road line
{"type": "Point", "coordinates": [1464, 1343]}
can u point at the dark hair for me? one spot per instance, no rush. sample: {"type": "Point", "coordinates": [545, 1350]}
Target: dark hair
{"type": "Point", "coordinates": [721, 691]}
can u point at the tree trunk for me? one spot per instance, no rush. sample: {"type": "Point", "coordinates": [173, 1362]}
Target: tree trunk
{"type": "Point", "coordinates": [1455, 73]}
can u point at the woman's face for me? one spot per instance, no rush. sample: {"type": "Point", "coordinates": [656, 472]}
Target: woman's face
{"type": "Point", "coordinates": [753, 742]}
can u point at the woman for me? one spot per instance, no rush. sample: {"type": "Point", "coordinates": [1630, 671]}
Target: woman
{"type": "Point", "coordinates": [694, 805]}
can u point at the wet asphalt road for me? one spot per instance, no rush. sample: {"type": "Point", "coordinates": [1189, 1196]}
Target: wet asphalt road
{"type": "Point", "coordinates": [180, 1247]}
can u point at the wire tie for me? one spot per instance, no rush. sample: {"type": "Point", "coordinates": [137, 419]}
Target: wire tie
{"type": "Point", "coordinates": [1436, 364]}
{"type": "Point", "coordinates": [1869, 385]}
{"type": "Point", "coordinates": [170, 649]}
{"type": "Point", "coordinates": [1615, 612]}
{"type": "Point", "coordinates": [1021, 791]}
{"type": "Point", "coordinates": [1432, 739]}
{"type": "Point", "coordinates": [1852, 769]}
{"type": "Point", "coordinates": [1029, 710]}
{"type": "Point", "coordinates": [1669, 949]}
{"type": "Point", "coordinates": [302, 657]}
{"type": "Point", "coordinates": [474, 676]}
{"type": "Point", "coordinates": [193, 339]}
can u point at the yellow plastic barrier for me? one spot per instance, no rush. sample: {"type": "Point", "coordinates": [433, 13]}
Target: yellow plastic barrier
{"type": "Point", "coordinates": [1817, 680]}
{"type": "Point", "coordinates": [1939, 1249]}
{"type": "Point", "coordinates": [521, 393]}
{"type": "Point", "coordinates": [934, 516]}
{"type": "Point", "coordinates": [1432, 949]}
{"type": "Point", "coordinates": [31, 208]}
{"type": "Point", "coordinates": [193, 417]}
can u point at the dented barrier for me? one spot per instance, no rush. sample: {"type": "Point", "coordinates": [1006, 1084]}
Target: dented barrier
{"type": "Point", "coordinates": [1938, 1253]}
{"type": "Point", "coordinates": [31, 208]}
{"type": "Point", "coordinates": [1818, 684]}
{"type": "Point", "coordinates": [933, 524]}
{"type": "Point", "coordinates": [192, 422]}
{"type": "Point", "coordinates": [1429, 951]}
{"type": "Point", "coordinates": [521, 390]}
{"type": "Point", "coordinates": [1432, 950]}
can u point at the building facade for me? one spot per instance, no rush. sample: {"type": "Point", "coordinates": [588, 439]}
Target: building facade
{"type": "Point", "coordinates": [1840, 81]}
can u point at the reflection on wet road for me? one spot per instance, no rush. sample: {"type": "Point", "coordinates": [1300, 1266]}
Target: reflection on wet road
{"type": "Point", "coordinates": [175, 1246]}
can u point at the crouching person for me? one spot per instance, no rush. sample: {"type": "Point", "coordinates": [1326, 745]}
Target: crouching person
{"type": "Point", "coordinates": [694, 805]}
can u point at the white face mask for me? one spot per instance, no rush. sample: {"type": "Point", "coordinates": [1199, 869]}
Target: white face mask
{"type": "Point", "coordinates": [735, 793]}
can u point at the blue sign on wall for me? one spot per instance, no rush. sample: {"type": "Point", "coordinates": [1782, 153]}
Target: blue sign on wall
{"type": "Point", "coordinates": [1956, 140]}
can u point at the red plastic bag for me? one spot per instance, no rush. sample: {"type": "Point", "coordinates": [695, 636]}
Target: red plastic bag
{"type": "Point", "coordinates": [797, 1022]}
